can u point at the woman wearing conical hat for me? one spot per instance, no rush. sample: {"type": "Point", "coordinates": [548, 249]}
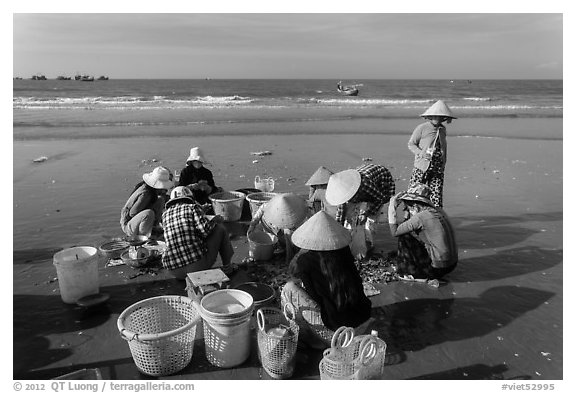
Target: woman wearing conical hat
{"type": "Point", "coordinates": [324, 281]}
{"type": "Point", "coordinates": [426, 242]}
{"type": "Point", "coordinates": [197, 177]}
{"type": "Point", "coordinates": [280, 216]}
{"type": "Point", "coordinates": [318, 183]}
{"type": "Point", "coordinates": [428, 143]}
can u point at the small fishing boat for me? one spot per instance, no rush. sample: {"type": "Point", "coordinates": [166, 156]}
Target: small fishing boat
{"type": "Point", "coordinates": [84, 78]}
{"type": "Point", "coordinates": [103, 78]}
{"type": "Point", "coordinates": [63, 78]}
{"type": "Point", "coordinates": [38, 77]}
{"type": "Point", "coordinates": [347, 90]}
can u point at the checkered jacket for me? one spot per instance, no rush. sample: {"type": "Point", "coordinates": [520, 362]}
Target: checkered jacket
{"type": "Point", "coordinates": [376, 188]}
{"type": "Point", "coordinates": [185, 231]}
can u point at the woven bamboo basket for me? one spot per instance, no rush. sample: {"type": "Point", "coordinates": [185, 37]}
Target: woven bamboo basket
{"type": "Point", "coordinates": [349, 357]}
{"type": "Point", "coordinates": [160, 332]}
{"type": "Point", "coordinates": [277, 341]}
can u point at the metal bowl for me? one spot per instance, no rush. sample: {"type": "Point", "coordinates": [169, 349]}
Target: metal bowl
{"type": "Point", "coordinates": [113, 249]}
{"type": "Point", "coordinates": [135, 262]}
{"type": "Point", "coordinates": [137, 240]}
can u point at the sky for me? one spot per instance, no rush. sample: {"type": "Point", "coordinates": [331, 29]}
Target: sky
{"type": "Point", "coordinates": [290, 45]}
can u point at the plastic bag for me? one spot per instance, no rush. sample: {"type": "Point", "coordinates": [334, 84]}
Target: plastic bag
{"type": "Point", "coordinates": [358, 245]}
{"type": "Point", "coordinates": [264, 185]}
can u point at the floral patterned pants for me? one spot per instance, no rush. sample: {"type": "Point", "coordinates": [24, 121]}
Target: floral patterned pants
{"type": "Point", "coordinates": [433, 178]}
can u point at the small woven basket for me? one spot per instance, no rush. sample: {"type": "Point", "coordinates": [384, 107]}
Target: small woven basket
{"type": "Point", "coordinates": [160, 332]}
{"type": "Point", "coordinates": [277, 341]}
{"type": "Point", "coordinates": [349, 357]}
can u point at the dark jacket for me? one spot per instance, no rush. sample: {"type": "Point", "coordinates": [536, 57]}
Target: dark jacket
{"type": "Point", "coordinates": [306, 266]}
{"type": "Point", "coordinates": [191, 175]}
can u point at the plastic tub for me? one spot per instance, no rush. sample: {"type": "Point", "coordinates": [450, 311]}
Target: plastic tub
{"type": "Point", "coordinates": [77, 270]}
{"type": "Point", "coordinates": [228, 204]}
{"type": "Point", "coordinates": [261, 245]}
{"type": "Point", "coordinates": [257, 199]}
{"type": "Point", "coordinates": [263, 294]}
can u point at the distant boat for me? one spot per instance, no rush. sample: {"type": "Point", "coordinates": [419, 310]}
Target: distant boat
{"type": "Point", "coordinates": [347, 90]}
{"type": "Point", "coordinates": [63, 78]}
{"type": "Point", "coordinates": [38, 77]}
{"type": "Point", "coordinates": [102, 78]}
{"type": "Point", "coordinates": [17, 78]}
{"type": "Point", "coordinates": [84, 78]}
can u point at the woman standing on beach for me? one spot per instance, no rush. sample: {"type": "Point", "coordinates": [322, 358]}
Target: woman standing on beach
{"type": "Point", "coordinates": [324, 280]}
{"type": "Point", "coordinates": [143, 209]}
{"type": "Point", "coordinates": [428, 143]}
{"type": "Point", "coordinates": [426, 243]}
{"type": "Point", "coordinates": [197, 177]}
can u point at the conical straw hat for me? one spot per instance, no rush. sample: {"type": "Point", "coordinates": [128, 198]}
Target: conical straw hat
{"type": "Point", "coordinates": [285, 211]}
{"type": "Point", "coordinates": [439, 108]}
{"type": "Point", "coordinates": [342, 186]}
{"type": "Point", "coordinates": [321, 233]}
{"type": "Point", "coordinates": [321, 176]}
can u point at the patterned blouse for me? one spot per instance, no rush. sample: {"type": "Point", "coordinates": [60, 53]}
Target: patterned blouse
{"type": "Point", "coordinates": [185, 231]}
{"type": "Point", "coordinates": [376, 188]}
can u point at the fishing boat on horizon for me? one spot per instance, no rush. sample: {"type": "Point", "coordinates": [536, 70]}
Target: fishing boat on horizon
{"type": "Point", "coordinates": [347, 90]}
{"type": "Point", "coordinates": [38, 77]}
{"type": "Point", "coordinates": [84, 78]}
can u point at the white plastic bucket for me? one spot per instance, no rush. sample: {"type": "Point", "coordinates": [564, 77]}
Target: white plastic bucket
{"type": "Point", "coordinates": [77, 270]}
{"type": "Point", "coordinates": [226, 315]}
{"type": "Point", "coordinates": [261, 245]}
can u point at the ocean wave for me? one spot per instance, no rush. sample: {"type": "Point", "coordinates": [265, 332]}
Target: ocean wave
{"type": "Point", "coordinates": [373, 101]}
{"type": "Point", "coordinates": [477, 99]}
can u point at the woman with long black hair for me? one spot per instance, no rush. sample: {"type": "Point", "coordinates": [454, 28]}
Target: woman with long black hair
{"type": "Point", "coordinates": [325, 278]}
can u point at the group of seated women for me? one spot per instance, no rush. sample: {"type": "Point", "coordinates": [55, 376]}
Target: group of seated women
{"type": "Point", "coordinates": [316, 245]}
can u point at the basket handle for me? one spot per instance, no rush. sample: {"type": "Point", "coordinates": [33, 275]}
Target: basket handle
{"type": "Point", "coordinates": [289, 309]}
{"type": "Point", "coordinates": [342, 337]}
{"type": "Point", "coordinates": [260, 319]}
{"type": "Point", "coordinates": [128, 335]}
{"type": "Point", "coordinates": [368, 350]}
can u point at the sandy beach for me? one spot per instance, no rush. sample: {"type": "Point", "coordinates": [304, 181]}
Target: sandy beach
{"type": "Point", "coordinates": [498, 317]}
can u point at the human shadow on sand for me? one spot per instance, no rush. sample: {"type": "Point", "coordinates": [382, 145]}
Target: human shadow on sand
{"type": "Point", "coordinates": [478, 232]}
{"type": "Point", "coordinates": [506, 263]}
{"type": "Point", "coordinates": [416, 324]}
{"type": "Point", "coordinates": [473, 372]}
{"type": "Point", "coordinates": [37, 316]}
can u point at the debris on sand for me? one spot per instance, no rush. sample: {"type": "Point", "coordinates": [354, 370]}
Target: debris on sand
{"type": "Point", "coordinates": [40, 159]}
{"type": "Point", "coordinates": [261, 153]}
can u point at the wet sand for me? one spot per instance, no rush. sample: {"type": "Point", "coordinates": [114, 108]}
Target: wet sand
{"type": "Point", "coordinates": [499, 316]}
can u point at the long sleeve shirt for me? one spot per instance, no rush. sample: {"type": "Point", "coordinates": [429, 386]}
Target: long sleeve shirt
{"type": "Point", "coordinates": [185, 231]}
{"type": "Point", "coordinates": [376, 188]}
{"type": "Point", "coordinates": [433, 228]}
{"type": "Point", "coordinates": [422, 138]}
{"type": "Point", "coordinates": [191, 175]}
{"type": "Point", "coordinates": [306, 267]}
{"type": "Point", "coordinates": [141, 199]}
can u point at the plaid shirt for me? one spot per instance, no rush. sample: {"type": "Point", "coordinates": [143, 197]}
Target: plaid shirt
{"type": "Point", "coordinates": [376, 188]}
{"type": "Point", "coordinates": [185, 231]}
